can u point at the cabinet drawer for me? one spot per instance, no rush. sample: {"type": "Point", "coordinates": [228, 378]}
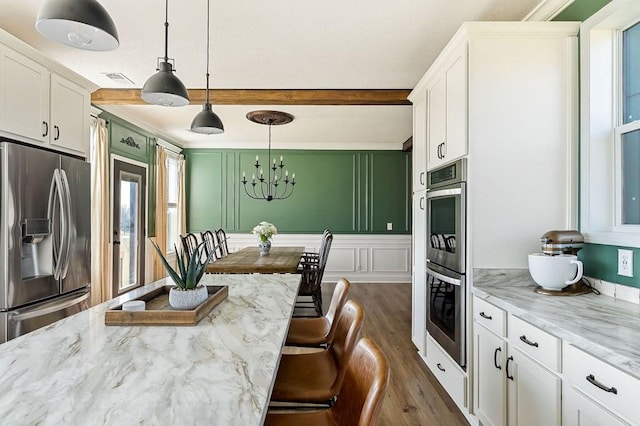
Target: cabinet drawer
{"type": "Point", "coordinates": [613, 388]}
{"type": "Point", "coordinates": [540, 345]}
{"type": "Point", "coordinates": [490, 316]}
{"type": "Point", "coordinates": [448, 373]}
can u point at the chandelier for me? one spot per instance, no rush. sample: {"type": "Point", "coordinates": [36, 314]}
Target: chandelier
{"type": "Point", "coordinates": [278, 186]}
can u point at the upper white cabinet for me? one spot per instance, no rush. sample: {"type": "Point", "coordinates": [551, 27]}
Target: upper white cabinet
{"type": "Point", "coordinates": [447, 112]}
{"type": "Point", "coordinates": [41, 105]}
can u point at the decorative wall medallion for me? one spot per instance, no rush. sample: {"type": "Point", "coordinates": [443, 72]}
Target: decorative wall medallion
{"type": "Point", "coordinates": [130, 142]}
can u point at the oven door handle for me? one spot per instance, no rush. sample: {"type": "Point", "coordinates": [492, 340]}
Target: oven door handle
{"type": "Point", "coordinates": [444, 192]}
{"type": "Point", "coordinates": [444, 278]}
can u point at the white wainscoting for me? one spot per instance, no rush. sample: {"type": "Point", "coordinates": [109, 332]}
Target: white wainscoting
{"type": "Point", "coordinates": [357, 257]}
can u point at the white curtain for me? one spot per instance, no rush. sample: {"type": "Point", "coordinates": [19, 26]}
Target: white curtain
{"type": "Point", "coordinates": [100, 245]}
{"type": "Point", "coordinates": [182, 203]}
{"type": "Point", "coordinates": [159, 270]}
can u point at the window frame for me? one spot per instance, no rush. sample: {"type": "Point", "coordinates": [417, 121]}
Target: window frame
{"type": "Point", "coordinates": [601, 129]}
{"type": "Point", "coordinates": [172, 156]}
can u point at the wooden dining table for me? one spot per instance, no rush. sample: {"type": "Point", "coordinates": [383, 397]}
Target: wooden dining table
{"type": "Point", "coordinates": [281, 260]}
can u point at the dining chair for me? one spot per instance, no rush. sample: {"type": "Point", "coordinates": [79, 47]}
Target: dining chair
{"type": "Point", "coordinates": [189, 244]}
{"type": "Point", "coordinates": [317, 377]}
{"type": "Point", "coordinates": [210, 244]}
{"type": "Point", "coordinates": [319, 332]}
{"type": "Point", "coordinates": [312, 270]}
{"type": "Point", "coordinates": [360, 397]}
{"type": "Point", "coordinates": [222, 242]}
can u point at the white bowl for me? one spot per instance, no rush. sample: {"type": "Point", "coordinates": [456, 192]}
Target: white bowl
{"type": "Point", "coordinates": [134, 305]}
{"type": "Point", "coordinates": [555, 272]}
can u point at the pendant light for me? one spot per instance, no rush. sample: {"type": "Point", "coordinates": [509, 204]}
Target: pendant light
{"type": "Point", "coordinates": [207, 121]}
{"type": "Point", "coordinates": [164, 87]}
{"type": "Point", "coordinates": [83, 24]}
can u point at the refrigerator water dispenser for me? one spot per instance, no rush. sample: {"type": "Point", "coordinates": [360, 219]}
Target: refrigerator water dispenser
{"type": "Point", "coordinates": [37, 259]}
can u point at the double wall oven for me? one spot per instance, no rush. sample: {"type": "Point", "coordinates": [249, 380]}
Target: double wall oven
{"type": "Point", "coordinates": [446, 285]}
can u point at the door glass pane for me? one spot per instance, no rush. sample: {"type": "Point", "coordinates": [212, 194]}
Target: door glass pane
{"type": "Point", "coordinates": [129, 226]}
{"type": "Point", "coordinates": [631, 73]}
{"type": "Point", "coordinates": [631, 178]}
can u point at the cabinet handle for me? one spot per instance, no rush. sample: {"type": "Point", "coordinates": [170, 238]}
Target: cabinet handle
{"type": "Point", "coordinates": [591, 379]}
{"type": "Point", "coordinates": [528, 342]}
{"type": "Point", "coordinates": [421, 178]}
{"type": "Point", "coordinates": [440, 367]}
{"type": "Point", "coordinates": [495, 358]}
{"type": "Point", "coordinates": [57, 130]}
{"type": "Point", "coordinates": [421, 203]}
{"type": "Point", "coordinates": [483, 315]}
{"type": "Point", "coordinates": [45, 127]}
{"type": "Point", "coordinates": [510, 377]}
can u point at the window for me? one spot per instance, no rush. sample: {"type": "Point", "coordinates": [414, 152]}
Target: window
{"type": "Point", "coordinates": [173, 167]}
{"type": "Point", "coordinates": [610, 125]}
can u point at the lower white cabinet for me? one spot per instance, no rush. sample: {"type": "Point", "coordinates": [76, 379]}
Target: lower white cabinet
{"type": "Point", "coordinates": [452, 378]}
{"type": "Point", "coordinates": [579, 409]}
{"type": "Point", "coordinates": [490, 379]}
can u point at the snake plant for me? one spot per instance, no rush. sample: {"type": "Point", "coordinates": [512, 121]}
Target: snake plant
{"type": "Point", "coordinates": [190, 268]}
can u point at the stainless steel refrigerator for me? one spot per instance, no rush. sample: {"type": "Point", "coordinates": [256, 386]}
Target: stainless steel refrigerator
{"type": "Point", "coordinates": [45, 237]}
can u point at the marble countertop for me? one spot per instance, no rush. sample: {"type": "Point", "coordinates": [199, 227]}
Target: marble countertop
{"type": "Point", "coordinates": [605, 327]}
{"type": "Point", "coordinates": [78, 371]}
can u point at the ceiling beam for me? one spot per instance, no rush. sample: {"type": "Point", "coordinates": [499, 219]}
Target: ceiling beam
{"type": "Point", "coordinates": [267, 97]}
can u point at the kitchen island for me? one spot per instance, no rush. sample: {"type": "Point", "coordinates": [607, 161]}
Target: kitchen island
{"type": "Point", "coordinates": [78, 371]}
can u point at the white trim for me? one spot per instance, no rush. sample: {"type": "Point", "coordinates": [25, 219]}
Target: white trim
{"type": "Point", "coordinates": [169, 146]}
{"type": "Point", "coordinates": [546, 10]}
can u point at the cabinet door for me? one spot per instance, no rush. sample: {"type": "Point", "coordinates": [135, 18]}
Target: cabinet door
{"type": "Point", "coordinates": [419, 276]}
{"type": "Point", "coordinates": [490, 378]}
{"type": "Point", "coordinates": [24, 96]}
{"type": "Point", "coordinates": [436, 122]}
{"type": "Point", "coordinates": [534, 392]}
{"type": "Point", "coordinates": [69, 115]}
{"type": "Point", "coordinates": [456, 145]}
{"type": "Point", "coordinates": [420, 143]}
{"type": "Point", "coordinates": [578, 410]}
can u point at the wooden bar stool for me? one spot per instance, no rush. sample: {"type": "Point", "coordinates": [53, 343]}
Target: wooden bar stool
{"type": "Point", "coordinates": [359, 400]}
{"type": "Point", "coordinates": [317, 377]}
{"type": "Point", "coordinates": [320, 331]}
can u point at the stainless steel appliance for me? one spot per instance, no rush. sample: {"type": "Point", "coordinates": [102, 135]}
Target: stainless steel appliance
{"type": "Point", "coordinates": [446, 257]}
{"type": "Point", "coordinates": [45, 237]}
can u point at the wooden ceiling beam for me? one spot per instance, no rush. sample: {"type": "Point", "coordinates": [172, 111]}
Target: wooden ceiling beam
{"type": "Point", "coordinates": [267, 97]}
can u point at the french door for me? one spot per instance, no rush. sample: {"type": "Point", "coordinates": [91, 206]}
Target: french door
{"type": "Point", "coordinates": [128, 212]}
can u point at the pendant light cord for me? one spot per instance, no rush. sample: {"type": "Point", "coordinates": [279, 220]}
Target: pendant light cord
{"type": "Point", "coordinates": [269, 159]}
{"type": "Point", "coordinates": [166, 31]}
{"type": "Point", "coordinates": [208, 22]}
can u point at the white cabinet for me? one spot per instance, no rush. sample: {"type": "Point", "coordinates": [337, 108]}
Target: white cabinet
{"type": "Point", "coordinates": [447, 112]}
{"type": "Point", "coordinates": [580, 410]}
{"type": "Point", "coordinates": [452, 378]}
{"type": "Point", "coordinates": [40, 105]}
{"type": "Point", "coordinates": [419, 275]}
{"type": "Point", "coordinates": [512, 386]}
{"type": "Point", "coordinates": [419, 155]}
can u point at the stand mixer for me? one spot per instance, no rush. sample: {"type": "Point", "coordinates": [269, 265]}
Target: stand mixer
{"type": "Point", "coordinates": [556, 243]}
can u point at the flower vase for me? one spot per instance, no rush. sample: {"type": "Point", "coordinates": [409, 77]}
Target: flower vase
{"type": "Point", "coordinates": [265, 246]}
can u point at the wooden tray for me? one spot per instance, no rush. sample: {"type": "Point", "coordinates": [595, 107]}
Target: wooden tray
{"type": "Point", "coordinates": [158, 311]}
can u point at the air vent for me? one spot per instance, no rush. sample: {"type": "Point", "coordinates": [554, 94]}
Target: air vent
{"type": "Point", "coordinates": [119, 78]}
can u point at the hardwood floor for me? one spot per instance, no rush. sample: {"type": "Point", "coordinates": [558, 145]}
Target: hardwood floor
{"type": "Point", "coordinates": [414, 396]}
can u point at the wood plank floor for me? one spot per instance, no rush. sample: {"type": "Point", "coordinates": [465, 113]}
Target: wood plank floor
{"type": "Point", "coordinates": [414, 396]}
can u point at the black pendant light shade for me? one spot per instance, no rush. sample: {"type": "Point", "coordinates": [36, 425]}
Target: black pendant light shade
{"type": "Point", "coordinates": [207, 122]}
{"type": "Point", "coordinates": [83, 24]}
{"type": "Point", "coordinates": [165, 88]}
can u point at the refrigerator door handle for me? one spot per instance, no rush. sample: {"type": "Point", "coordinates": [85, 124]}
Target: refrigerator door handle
{"type": "Point", "coordinates": [66, 218]}
{"type": "Point", "coordinates": [55, 196]}
{"type": "Point", "coordinates": [50, 309]}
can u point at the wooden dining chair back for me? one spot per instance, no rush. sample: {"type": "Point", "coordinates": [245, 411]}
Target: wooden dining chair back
{"type": "Point", "coordinates": [189, 244]}
{"type": "Point", "coordinates": [360, 398]}
{"type": "Point", "coordinates": [222, 242]}
{"type": "Point", "coordinates": [312, 270]}
{"type": "Point", "coordinates": [320, 332]}
{"type": "Point", "coordinates": [210, 244]}
{"type": "Point", "coordinates": [317, 377]}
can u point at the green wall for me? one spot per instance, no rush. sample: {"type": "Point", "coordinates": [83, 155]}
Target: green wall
{"type": "Point", "coordinates": [345, 191]}
{"type": "Point", "coordinates": [580, 10]}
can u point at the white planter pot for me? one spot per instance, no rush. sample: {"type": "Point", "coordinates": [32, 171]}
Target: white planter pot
{"type": "Point", "coordinates": [187, 299]}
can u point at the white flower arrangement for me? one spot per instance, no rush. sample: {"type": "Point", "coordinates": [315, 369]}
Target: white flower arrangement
{"type": "Point", "coordinates": [264, 231]}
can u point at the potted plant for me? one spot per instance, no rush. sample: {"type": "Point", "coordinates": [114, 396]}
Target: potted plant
{"type": "Point", "coordinates": [187, 294]}
{"type": "Point", "coordinates": [265, 231]}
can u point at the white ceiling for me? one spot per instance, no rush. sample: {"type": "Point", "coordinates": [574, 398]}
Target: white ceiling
{"type": "Point", "coordinates": [275, 44]}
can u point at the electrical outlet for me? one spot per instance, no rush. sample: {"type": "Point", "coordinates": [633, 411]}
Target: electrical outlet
{"type": "Point", "coordinates": [389, 226]}
{"type": "Point", "coordinates": [625, 262]}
